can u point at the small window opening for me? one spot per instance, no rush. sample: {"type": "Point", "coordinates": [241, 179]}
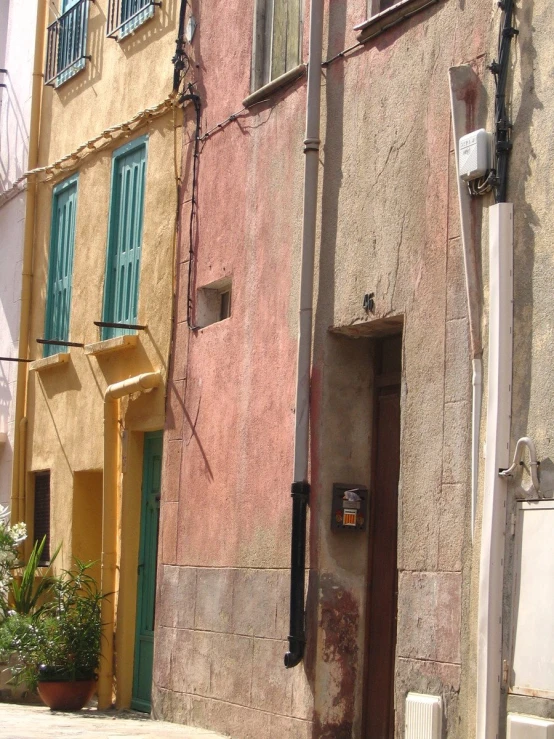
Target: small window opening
{"type": "Point", "coordinates": [225, 305]}
{"type": "Point", "coordinates": [41, 522]}
{"type": "Point", "coordinates": [214, 302]}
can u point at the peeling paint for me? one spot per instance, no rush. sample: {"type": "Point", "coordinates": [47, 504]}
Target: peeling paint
{"type": "Point", "coordinates": [339, 625]}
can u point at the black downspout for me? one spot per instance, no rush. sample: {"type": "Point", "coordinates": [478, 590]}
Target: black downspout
{"type": "Point", "coordinates": [300, 492]}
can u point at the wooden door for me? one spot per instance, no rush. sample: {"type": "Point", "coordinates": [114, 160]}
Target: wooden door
{"type": "Point", "coordinates": [146, 587]}
{"type": "Point", "coordinates": [382, 570]}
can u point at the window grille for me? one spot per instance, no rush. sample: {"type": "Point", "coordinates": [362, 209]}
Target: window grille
{"type": "Point", "coordinates": [42, 512]}
{"type": "Point", "coordinates": [125, 16]}
{"type": "Point", "coordinates": [66, 45]}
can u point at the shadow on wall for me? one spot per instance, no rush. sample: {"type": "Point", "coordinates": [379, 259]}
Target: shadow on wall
{"type": "Point", "coordinates": [14, 135]}
{"type": "Point", "coordinates": [96, 33]}
{"type": "Point", "coordinates": [5, 399]}
{"type": "Point", "coordinates": [526, 224]}
{"type": "Point", "coordinates": [340, 723]}
{"type": "Point", "coordinates": [163, 22]}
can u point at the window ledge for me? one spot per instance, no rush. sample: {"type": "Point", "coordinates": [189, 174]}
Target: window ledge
{"type": "Point", "coordinates": [39, 365]}
{"type": "Point", "coordinates": [390, 17]}
{"type": "Point", "coordinates": [74, 69]}
{"type": "Point", "coordinates": [129, 27]}
{"type": "Point", "coordinates": [275, 85]}
{"type": "Point", "coordinates": [117, 344]}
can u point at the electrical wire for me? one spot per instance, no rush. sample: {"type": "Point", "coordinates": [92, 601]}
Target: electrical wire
{"type": "Point", "coordinates": [195, 99]}
{"type": "Point", "coordinates": [342, 53]}
{"type": "Point", "coordinates": [503, 125]}
{"type": "Point", "coordinates": [181, 61]}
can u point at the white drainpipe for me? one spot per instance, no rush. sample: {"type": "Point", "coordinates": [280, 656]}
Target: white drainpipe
{"type": "Point", "coordinates": [309, 223]}
{"type": "Point", "coordinates": [493, 531]}
{"type": "Point", "coordinates": [464, 85]}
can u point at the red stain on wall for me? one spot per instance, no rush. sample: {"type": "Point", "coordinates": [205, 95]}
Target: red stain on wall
{"type": "Point", "coordinates": [339, 625]}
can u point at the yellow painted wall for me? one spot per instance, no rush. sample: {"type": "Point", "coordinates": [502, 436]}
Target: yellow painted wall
{"type": "Point", "coordinates": [120, 79]}
{"type": "Point", "coordinates": [65, 403]}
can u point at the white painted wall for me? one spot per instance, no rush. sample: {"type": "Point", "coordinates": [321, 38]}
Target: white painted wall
{"type": "Point", "coordinates": [17, 39]}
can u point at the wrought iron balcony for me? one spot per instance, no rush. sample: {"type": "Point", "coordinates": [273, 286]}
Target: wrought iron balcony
{"type": "Point", "coordinates": [124, 16]}
{"type": "Point", "coordinates": [66, 46]}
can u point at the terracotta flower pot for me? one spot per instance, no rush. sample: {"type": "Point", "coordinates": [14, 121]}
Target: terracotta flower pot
{"type": "Point", "coordinates": [66, 695]}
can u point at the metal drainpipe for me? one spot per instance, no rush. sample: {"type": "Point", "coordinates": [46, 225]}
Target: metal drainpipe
{"type": "Point", "coordinates": [301, 486]}
{"type": "Point", "coordinates": [20, 427]}
{"type": "Point", "coordinates": [463, 83]}
{"type": "Point", "coordinates": [139, 384]}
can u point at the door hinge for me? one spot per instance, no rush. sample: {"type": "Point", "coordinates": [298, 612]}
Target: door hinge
{"type": "Point", "coordinates": [505, 673]}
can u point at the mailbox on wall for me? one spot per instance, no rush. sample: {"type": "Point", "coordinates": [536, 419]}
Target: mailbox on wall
{"type": "Point", "coordinates": [349, 507]}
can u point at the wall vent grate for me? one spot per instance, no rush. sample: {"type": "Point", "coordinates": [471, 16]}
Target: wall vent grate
{"type": "Point", "coordinates": [423, 716]}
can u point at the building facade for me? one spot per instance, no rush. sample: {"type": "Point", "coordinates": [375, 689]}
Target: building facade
{"type": "Point", "coordinates": [100, 311]}
{"type": "Point", "coordinates": [420, 603]}
{"type": "Point", "coordinates": [17, 53]}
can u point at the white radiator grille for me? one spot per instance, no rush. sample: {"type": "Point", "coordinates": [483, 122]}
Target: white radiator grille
{"type": "Point", "coordinates": [423, 716]}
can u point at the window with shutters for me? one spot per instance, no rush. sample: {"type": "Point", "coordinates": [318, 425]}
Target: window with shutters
{"type": "Point", "coordinates": [125, 16]}
{"type": "Point", "coordinates": [66, 44]}
{"type": "Point", "coordinates": [384, 14]}
{"type": "Point", "coordinates": [60, 269]}
{"type": "Point", "coordinates": [277, 39]}
{"type": "Point", "coordinates": [124, 237]}
{"type": "Point", "coordinates": [377, 6]}
{"type": "Point", "coordinates": [41, 526]}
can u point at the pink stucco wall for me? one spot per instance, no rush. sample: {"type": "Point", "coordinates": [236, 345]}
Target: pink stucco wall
{"type": "Point", "coordinates": [388, 225]}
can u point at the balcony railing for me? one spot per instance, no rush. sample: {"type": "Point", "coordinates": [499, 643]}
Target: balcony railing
{"type": "Point", "coordinates": [124, 16]}
{"type": "Point", "coordinates": [66, 46]}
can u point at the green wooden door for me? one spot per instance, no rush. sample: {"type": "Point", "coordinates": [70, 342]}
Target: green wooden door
{"type": "Point", "coordinates": [146, 592]}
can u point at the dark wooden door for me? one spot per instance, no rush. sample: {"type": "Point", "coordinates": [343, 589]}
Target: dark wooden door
{"type": "Point", "coordinates": [382, 571]}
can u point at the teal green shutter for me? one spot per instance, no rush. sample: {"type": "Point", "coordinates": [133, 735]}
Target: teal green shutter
{"type": "Point", "coordinates": [62, 240]}
{"type": "Point", "coordinates": [125, 236]}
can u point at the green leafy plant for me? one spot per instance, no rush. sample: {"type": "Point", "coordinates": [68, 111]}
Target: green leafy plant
{"type": "Point", "coordinates": [10, 540]}
{"type": "Point", "coordinates": [61, 640]}
{"type": "Point", "coordinates": [28, 595]}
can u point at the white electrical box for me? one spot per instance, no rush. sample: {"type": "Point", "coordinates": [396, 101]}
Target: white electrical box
{"type": "Point", "coordinates": [529, 727]}
{"type": "Point", "coordinates": [474, 155]}
{"type": "Point", "coordinates": [532, 662]}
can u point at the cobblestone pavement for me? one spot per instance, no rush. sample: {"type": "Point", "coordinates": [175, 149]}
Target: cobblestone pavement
{"type": "Point", "coordinates": [37, 722]}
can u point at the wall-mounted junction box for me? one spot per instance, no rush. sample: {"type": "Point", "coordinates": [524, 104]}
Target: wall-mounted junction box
{"type": "Point", "coordinates": [529, 727]}
{"type": "Point", "coordinates": [474, 155]}
{"type": "Point", "coordinates": [349, 507]}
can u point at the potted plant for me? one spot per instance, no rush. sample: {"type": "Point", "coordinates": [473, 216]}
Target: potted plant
{"type": "Point", "coordinates": [59, 644]}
